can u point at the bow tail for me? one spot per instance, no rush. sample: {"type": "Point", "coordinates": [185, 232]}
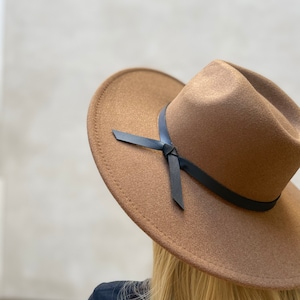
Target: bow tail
{"type": "Point", "coordinates": [175, 181]}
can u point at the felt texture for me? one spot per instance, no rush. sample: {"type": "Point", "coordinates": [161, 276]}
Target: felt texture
{"type": "Point", "coordinates": [241, 129]}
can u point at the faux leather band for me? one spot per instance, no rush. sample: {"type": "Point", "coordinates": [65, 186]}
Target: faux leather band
{"type": "Point", "coordinates": [176, 162]}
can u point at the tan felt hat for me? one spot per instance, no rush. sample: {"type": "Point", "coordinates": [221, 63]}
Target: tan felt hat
{"type": "Point", "coordinates": [204, 168]}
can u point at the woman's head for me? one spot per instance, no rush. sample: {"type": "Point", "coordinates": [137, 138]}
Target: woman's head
{"type": "Point", "coordinates": [204, 168]}
{"type": "Point", "coordinates": [173, 279]}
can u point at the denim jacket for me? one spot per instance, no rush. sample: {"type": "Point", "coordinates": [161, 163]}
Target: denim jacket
{"type": "Point", "coordinates": [110, 291]}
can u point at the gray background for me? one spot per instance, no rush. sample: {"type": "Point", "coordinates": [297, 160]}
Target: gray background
{"type": "Point", "coordinates": [61, 232]}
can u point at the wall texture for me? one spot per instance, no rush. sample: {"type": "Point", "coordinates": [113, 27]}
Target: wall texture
{"type": "Point", "coordinates": [62, 231]}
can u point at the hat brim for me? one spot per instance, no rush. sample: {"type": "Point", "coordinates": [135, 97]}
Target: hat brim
{"type": "Point", "coordinates": [256, 249]}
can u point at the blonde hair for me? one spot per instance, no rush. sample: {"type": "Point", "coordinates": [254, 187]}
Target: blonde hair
{"type": "Point", "coordinates": [175, 280]}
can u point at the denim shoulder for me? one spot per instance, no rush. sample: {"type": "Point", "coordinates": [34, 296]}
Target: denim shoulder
{"type": "Point", "coordinates": [107, 291]}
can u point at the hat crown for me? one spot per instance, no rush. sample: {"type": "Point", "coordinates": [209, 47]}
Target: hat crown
{"type": "Point", "coordinates": [239, 127]}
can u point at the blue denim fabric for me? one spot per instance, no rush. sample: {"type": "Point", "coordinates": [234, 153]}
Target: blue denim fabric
{"type": "Point", "coordinates": [108, 291]}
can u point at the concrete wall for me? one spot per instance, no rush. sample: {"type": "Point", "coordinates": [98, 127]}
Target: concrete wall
{"type": "Point", "coordinates": [61, 231]}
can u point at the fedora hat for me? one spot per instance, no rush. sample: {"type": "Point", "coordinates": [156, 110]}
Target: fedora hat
{"type": "Point", "coordinates": [204, 168]}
